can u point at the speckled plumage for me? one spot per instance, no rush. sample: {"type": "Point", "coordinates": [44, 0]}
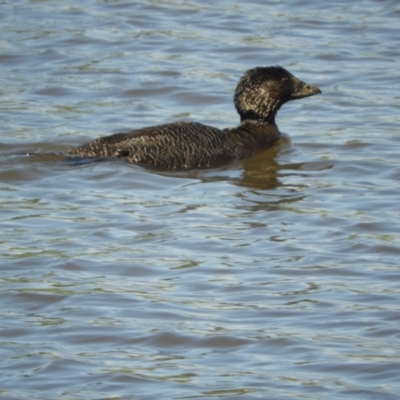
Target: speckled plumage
{"type": "Point", "coordinates": [188, 145]}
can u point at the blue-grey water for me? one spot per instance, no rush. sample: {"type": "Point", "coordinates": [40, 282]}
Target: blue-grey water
{"type": "Point", "coordinates": [273, 278]}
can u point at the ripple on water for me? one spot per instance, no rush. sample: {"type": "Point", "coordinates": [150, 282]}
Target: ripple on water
{"type": "Point", "coordinates": [272, 278]}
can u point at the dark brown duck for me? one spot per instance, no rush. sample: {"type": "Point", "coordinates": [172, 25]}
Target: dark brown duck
{"type": "Point", "coordinates": [187, 145]}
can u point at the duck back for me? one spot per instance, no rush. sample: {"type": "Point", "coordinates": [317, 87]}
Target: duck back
{"type": "Point", "coordinates": [179, 145]}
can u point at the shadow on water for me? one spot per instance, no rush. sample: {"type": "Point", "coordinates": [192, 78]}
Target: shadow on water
{"type": "Point", "coordinates": [261, 171]}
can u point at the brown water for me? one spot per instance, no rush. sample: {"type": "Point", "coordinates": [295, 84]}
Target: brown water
{"type": "Point", "coordinates": [276, 278]}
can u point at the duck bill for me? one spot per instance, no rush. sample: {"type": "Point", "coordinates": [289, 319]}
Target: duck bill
{"type": "Point", "coordinates": [305, 90]}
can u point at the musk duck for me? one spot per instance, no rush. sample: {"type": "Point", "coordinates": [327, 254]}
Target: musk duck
{"type": "Point", "coordinates": [189, 145]}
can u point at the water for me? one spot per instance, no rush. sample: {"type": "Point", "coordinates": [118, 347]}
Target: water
{"type": "Point", "coordinates": [273, 278]}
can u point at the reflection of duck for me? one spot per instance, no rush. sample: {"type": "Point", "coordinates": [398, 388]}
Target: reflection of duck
{"type": "Point", "coordinates": [186, 145]}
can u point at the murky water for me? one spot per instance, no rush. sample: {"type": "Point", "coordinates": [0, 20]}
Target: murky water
{"type": "Point", "coordinates": [276, 278]}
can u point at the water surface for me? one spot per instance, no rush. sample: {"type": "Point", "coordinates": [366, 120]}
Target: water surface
{"type": "Point", "coordinates": [277, 277]}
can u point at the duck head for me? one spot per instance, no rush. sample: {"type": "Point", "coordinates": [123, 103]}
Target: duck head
{"type": "Point", "coordinates": [263, 90]}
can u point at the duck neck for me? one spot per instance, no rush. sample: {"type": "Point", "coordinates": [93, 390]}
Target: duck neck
{"type": "Point", "coordinates": [265, 113]}
{"type": "Point", "coordinates": [249, 119]}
